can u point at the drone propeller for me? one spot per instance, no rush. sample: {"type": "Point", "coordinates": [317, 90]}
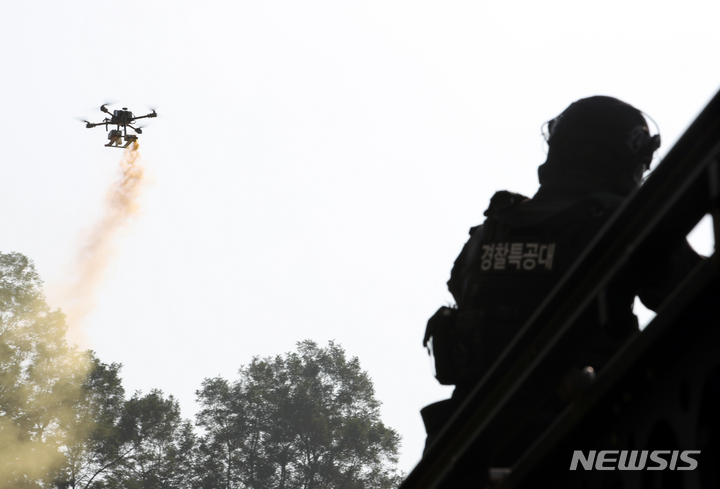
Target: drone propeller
{"type": "Point", "coordinates": [138, 129]}
{"type": "Point", "coordinates": [87, 123]}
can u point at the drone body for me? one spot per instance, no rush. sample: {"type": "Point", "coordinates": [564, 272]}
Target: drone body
{"type": "Point", "coordinates": [120, 118]}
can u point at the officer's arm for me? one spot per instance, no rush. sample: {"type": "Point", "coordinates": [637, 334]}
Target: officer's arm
{"type": "Point", "coordinates": [660, 279]}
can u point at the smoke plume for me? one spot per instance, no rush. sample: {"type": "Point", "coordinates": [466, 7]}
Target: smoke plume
{"type": "Point", "coordinates": [40, 381]}
{"type": "Point", "coordinates": [97, 248]}
{"type": "Point", "coordinates": [44, 422]}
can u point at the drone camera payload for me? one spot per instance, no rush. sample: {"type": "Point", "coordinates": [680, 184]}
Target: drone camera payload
{"type": "Point", "coordinates": [120, 118]}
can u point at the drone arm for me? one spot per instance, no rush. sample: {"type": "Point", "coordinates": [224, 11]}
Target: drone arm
{"type": "Point", "coordinates": [89, 124]}
{"type": "Point", "coordinates": [153, 114]}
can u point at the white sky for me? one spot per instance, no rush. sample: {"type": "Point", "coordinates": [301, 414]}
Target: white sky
{"type": "Point", "coordinates": [316, 164]}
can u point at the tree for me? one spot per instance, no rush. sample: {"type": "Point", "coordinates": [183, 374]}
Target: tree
{"type": "Point", "coordinates": [96, 416]}
{"type": "Point", "coordinates": [64, 420]}
{"type": "Point", "coordinates": [40, 379]}
{"type": "Point", "coordinates": [305, 420]}
{"type": "Point", "coordinates": [156, 445]}
{"type": "Point", "coordinates": [139, 443]}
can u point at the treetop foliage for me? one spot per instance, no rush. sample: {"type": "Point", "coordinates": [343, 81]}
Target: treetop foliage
{"type": "Point", "coordinates": [307, 419]}
{"type": "Point", "coordinates": [40, 378]}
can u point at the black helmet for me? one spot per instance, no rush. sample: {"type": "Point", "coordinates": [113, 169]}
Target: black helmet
{"type": "Point", "coordinates": [600, 138]}
{"type": "Point", "coordinates": [606, 121]}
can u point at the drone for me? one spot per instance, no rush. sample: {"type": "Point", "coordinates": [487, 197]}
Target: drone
{"type": "Point", "coordinates": [123, 118]}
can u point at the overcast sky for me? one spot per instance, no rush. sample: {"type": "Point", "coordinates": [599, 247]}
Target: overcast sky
{"type": "Point", "coordinates": [316, 164]}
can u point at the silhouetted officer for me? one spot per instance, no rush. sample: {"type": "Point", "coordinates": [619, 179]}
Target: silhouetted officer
{"type": "Point", "coordinates": [599, 149]}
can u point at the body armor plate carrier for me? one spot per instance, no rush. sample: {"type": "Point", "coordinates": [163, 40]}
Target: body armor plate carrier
{"type": "Point", "coordinates": [503, 273]}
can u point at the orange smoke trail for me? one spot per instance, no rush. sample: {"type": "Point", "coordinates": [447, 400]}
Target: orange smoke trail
{"type": "Point", "coordinates": [121, 205]}
{"type": "Point", "coordinates": [40, 418]}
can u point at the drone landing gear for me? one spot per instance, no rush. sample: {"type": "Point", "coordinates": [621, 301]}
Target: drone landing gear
{"type": "Point", "coordinates": [115, 141]}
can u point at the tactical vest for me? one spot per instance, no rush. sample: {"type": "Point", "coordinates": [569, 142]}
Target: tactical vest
{"type": "Point", "coordinates": [504, 272]}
